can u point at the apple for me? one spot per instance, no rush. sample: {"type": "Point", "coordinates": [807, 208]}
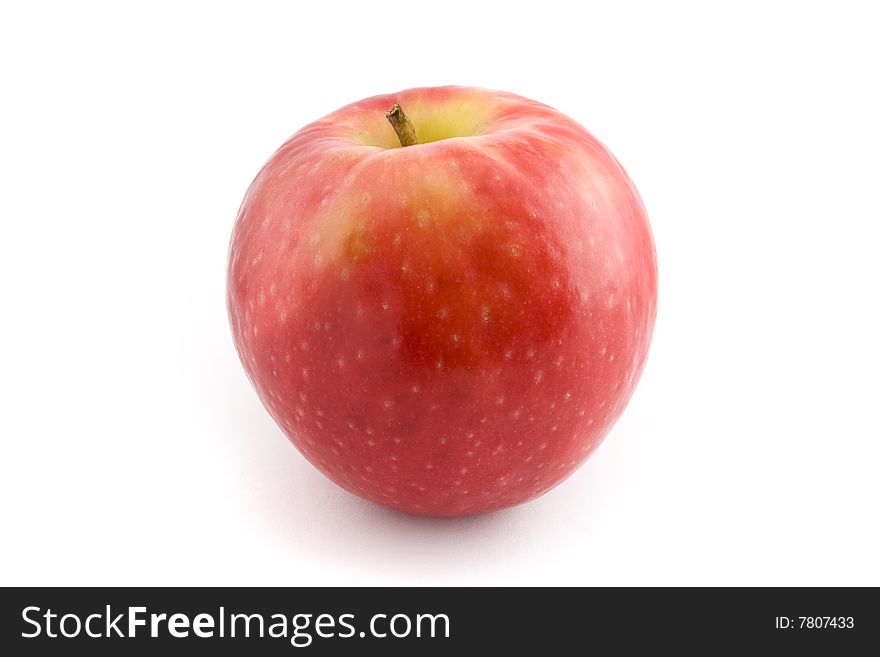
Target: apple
{"type": "Point", "coordinates": [444, 296]}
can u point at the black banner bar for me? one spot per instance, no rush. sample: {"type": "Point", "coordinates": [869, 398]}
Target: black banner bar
{"type": "Point", "coordinates": [392, 621]}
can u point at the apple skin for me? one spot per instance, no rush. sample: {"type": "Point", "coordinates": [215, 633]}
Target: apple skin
{"type": "Point", "coordinates": [447, 328]}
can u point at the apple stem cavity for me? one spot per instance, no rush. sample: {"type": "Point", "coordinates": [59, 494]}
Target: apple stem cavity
{"type": "Point", "coordinates": [406, 131]}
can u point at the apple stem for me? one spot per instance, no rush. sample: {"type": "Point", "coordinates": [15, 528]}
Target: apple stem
{"type": "Point", "coordinates": [404, 128]}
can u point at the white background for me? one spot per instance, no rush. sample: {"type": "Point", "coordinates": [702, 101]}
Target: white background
{"type": "Point", "coordinates": [134, 450]}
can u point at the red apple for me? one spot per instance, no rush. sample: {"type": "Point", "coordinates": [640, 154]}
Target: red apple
{"type": "Point", "coordinates": [449, 322]}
